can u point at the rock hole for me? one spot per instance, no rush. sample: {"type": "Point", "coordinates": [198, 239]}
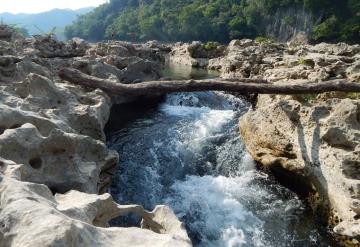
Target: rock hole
{"type": "Point", "coordinates": [2, 130]}
{"type": "Point", "coordinates": [35, 163]}
{"type": "Point", "coordinates": [58, 151]}
{"type": "Point", "coordinates": [129, 220]}
{"type": "Point", "coordinates": [54, 190]}
{"type": "Point", "coordinates": [351, 169]}
{"type": "Point", "coordinates": [86, 101]}
{"type": "Point", "coordinates": [15, 126]}
{"type": "Point", "coordinates": [356, 217]}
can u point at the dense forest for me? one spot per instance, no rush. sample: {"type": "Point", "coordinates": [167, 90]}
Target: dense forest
{"type": "Point", "coordinates": [213, 20]}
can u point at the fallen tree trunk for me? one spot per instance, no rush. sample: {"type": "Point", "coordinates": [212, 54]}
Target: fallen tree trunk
{"type": "Point", "coordinates": [153, 88]}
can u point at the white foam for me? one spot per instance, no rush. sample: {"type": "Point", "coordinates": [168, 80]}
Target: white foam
{"type": "Point", "coordinates": [182, 111]}
{"type": "Point", "coordinates": [233, 237]}
{"type": "Point", "coordinates": [216, 203]}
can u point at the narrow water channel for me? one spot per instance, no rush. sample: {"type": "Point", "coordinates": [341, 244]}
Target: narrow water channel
{"type": "Point", "coordinates": [187, 153]}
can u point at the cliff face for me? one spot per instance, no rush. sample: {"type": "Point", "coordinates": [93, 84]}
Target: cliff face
{"type": "Point", "coordinates": [287, 23]}
{"type": "Point", "coordinates": [53, 159]}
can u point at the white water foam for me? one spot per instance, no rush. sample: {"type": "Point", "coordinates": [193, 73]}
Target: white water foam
{"type": "Point", "coordinates": [190, 156]}
{"type": "Point", "coordinates": [208, 125]}
{"type": "Point", "coordinates": [216, 203]}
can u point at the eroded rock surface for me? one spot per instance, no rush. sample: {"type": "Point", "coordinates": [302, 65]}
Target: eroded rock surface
{"type": "Point", "coordinates": [194, 54]}
{"type": "Point", "coordinates": [316, 137]}
{"type": "Point", "coordinates": [53, 159]}
{"type": "Point", "coordinates": [31, 216]}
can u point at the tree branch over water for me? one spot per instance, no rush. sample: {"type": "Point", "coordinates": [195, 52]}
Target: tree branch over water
{"type": "Point", "coordinates": [245, 85]}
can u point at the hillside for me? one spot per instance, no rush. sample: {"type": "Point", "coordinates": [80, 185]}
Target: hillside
{"type": "Point", "coordinates": [220, 20]}
{"type": "Point", "coordinates": [44, 22]}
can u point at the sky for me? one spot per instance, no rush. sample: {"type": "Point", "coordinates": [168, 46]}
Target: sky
{"type": "Point", "coordinates": [37, 6]}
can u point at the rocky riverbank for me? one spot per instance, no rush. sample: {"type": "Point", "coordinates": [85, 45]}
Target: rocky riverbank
{"type": "Point", "coordinates": [54, 165]}
{"type": "Point", "coordinates": [312, 141]}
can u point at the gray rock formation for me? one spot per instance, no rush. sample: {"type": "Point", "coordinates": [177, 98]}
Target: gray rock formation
{"type": "Point", "coordinates": [31, 216]}
{"type": "Point", "coordinates": [316, 138]}
{"type": "Point", "coordinates": [53, 159]}
{"type": "Point", "coordinates": [194, 54]}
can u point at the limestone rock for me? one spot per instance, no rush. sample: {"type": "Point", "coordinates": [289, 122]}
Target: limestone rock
{"type": "Point", "coordinates": [49, 47]}
{"type": "Point", "coordinates": [195, 54]}
{"type": "Point", "coordinates": [300, 38]}
{"type": "Point", "coordinates": [353, 72]}
{"type": "Point", "coordinates": [196, 50]}
{"type": "Point", "coordinates": [52, 142]}
{"type": "Point", "coordinates": [31, 216]}
{"type": "Point", "coordinates": [319, 142]}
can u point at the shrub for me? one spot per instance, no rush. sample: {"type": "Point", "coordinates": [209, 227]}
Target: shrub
{"type": "Point", "coordinates": [211, 45]}
{"type": "Point", "coordinates": [327, 29]}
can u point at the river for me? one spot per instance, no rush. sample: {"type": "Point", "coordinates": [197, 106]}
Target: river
{"type": "Point", "coordinates": [187, 153]}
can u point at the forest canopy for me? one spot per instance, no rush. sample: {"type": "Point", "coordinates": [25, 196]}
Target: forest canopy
{"type": "Point", "coordinates": [213, 20]}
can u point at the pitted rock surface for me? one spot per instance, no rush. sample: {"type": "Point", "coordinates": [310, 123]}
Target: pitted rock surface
{"type": "Point", "coordinates": [53, 157]}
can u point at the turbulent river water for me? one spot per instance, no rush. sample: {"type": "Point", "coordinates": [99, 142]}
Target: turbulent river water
{"type": "Point", "coordinates": [187, 153]}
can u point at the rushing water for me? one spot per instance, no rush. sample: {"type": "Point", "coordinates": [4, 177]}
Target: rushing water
{"type": "Point", "coordinates": [188, 154]}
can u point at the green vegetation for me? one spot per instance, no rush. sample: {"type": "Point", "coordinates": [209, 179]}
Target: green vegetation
{"type": "Point", "coordinates": [217, 20]}
{"type": "Point", "coordinates": [264, 40]}
{"type": "Point", "coordinates": [211, 45]}
{"type": "Point", "coordinates": [289, 20]}
{"type": "Point", "coordinates": [305, 98]}
{"type": "Point", "coordinates": [307, 62]}
{"type": "Point", "coordinates": [353, 95]}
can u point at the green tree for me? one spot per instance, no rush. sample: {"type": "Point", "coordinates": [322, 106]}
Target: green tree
{"type": "Point", "coordinates": [215, 20]}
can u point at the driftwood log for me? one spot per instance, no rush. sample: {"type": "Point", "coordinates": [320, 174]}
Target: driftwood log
{"type": "Point", "coordinates": [153, 88]}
